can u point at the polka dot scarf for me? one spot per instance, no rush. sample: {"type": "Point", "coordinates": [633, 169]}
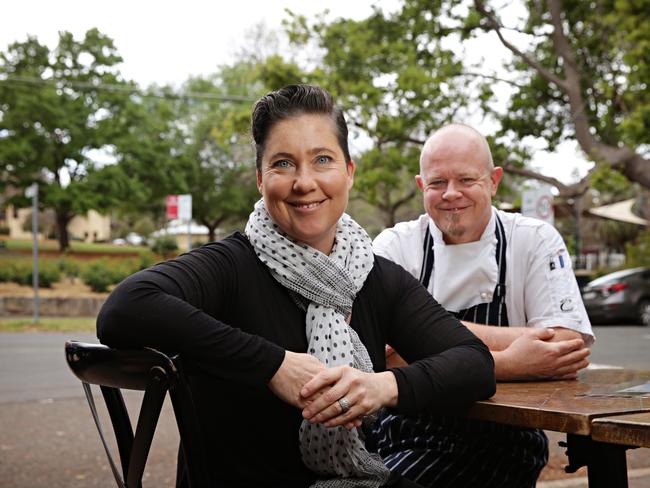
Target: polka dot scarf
{"type": "Point", "coordinates": [325, 287]}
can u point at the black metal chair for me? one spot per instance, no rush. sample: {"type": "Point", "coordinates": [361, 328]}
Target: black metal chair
{"type": "Point", "coordinates": [154, 373]}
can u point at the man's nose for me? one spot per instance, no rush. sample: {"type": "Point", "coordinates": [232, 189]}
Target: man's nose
{"type": "Point", "coordinates": [452, 191]}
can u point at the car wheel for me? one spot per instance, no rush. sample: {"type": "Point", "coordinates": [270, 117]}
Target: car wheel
{"type": "Point", "coordinates": [644, 312]}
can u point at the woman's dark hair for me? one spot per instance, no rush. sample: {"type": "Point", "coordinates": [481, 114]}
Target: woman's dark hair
{"type": "Point", "coordinates": [291, 101]}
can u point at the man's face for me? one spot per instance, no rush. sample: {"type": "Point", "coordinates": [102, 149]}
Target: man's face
{"type": "Point", "coordinates": [458, 184]}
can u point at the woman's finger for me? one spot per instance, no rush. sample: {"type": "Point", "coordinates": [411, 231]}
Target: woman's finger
{"type": "Point", "coordinates": [321, 380]}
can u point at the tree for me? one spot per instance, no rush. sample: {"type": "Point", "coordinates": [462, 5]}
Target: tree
{"type": "Point", "coordinates": [54, 111]}
{"type": "Point", "coordinates": [151, 157]}
{"type": "Point", "coordinates": [582, 77]}
{"type": "Point", "coordinates": [397, 82]}
{"type": "Point", "coordinates": [221, 174]}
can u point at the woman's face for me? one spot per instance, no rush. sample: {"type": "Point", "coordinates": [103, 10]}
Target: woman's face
{"type": "Point", "coordinates": [305, 179]}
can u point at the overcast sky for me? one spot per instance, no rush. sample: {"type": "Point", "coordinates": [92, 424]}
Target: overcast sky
{"type": "Point", "coordinates": [166, 41]}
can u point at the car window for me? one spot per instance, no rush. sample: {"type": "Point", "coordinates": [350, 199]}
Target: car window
{"type": "Point", "coordinates": [613, 277]}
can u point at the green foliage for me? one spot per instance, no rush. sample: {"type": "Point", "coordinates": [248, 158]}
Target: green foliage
{"type": "Point", "coordinates": [101, 274]}
{"type": "Point", "coordinates": [221, 172]}
{"type": "Point", "coordinates": [69, 267]}
{"type": "Point", "coordinates": [637, 253]}
{"type": "Point", "coordinates": [21, 272]}
{"type": "Point", "coordinates": [52, 117]}
{"type": "Point", "coordinates": [609, 41]}
{"type": "Point", "coordinates": [165, 246]}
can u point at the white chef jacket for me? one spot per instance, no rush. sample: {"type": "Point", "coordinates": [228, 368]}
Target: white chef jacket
{"type": "Point", "coordinates": [541, 289]}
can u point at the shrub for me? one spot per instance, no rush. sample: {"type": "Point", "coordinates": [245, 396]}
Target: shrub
{"type": "Point", "coordinates": [47, 276]}
{"type": "Point", "coordinates": [21, 272]}
{"type": "Point", "coordinates": [165, 246]}
{"type": "Point", "coordinates": [4, 230]}
{"type": "Point", "coordinates": [100, 274]}
{"type": "Point", "coordinates": [146, 261]}
{"type": "Point", "coordinates": [6, 272]}
{"type": "Point", "coordinates": [69, 267]}
{"type": "Point", "coordinates": [637, 253]}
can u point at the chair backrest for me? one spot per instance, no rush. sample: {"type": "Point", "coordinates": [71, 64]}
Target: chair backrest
{"type": "Point", "coordinates": [154, 373]}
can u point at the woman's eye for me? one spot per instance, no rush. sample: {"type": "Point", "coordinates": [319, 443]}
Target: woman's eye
{"type": "Point", "coordinates": [323, 159]}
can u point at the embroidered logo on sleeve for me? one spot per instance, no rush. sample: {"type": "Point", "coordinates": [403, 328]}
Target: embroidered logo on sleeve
{"type": "Point", "coordinates": [567, 305]}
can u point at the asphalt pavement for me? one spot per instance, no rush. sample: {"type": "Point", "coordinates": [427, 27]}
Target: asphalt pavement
{"type": "Point", "coordinates": [48, 438]}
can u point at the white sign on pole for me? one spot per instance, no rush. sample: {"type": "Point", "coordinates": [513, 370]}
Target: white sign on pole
{"type": "Point", "coordinates": [538, 203]}
{"type": "Point", "coordinates": [32, 190]}
{"type": "Point", "coordinates": [185, 207]}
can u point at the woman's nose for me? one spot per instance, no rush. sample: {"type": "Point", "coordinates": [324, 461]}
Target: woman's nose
{"type": "Point", "coordinates": [304, 180]}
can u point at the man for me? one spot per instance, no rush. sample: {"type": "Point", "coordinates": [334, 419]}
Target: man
{"type": "Point", "coordinates": [489, 268]}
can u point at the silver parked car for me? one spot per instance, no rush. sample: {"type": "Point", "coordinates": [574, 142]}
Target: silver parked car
{"type": "Point", "coordinates": [620, 296]}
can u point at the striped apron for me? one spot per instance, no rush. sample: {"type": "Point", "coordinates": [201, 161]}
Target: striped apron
{"type": "Point", "coordinates": [447, 451]}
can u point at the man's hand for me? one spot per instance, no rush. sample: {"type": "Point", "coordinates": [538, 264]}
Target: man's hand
{"type": "Point", "coordinates": [394, 360]}
{"type": "Point", "coordinates": [536, 356]}
{"type": "Point", "coordinates": [294, 372]}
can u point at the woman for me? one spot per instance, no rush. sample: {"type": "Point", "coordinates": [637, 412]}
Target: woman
{"type": "Point", "coordinates": [283, 329]}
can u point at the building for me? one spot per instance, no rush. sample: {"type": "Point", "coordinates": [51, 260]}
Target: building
{"type": "Point", "coordinates": [92, 227]}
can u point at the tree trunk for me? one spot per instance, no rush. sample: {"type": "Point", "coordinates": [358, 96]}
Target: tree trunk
{"type": "Point", "coordinates": [389, 217]}
{"type": "Point", "coordinates": [62, 221]}
{"type": "Point", "coordinates": [211, 229]}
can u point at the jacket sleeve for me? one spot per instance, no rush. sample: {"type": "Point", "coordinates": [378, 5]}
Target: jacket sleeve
{"type": "Point", "coordinates": [448, 364]}
{"type": "Point", "coordinates": [172, 307]}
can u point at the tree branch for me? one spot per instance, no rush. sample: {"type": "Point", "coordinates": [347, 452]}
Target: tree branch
{"type": "Point", "coordinates": [626, 159]}
{"type": "Point", "coordinates": [403, 200]}
{"type": "Point", "coordinates": [494, 25]}
{"type": "Point", "coordinates": [566, 191]}
{"type": "Point", "coordinates": [615, 156]}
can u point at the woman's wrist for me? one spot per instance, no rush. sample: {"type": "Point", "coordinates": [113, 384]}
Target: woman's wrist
{"type": "Point", "coordinates": [388, 385]}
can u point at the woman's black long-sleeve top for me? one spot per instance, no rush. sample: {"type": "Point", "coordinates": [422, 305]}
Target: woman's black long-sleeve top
{"type": "Point", "coordinates": [222, 310]}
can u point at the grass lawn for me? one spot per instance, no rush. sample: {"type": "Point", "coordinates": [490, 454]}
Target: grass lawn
{"type": "Point", "coordinates": [48, 324]}
{"type": "Point", "coordinates": [76, 246]}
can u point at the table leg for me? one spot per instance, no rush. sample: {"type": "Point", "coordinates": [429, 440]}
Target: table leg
{"type": "Point", "coordinates": [606, 463]}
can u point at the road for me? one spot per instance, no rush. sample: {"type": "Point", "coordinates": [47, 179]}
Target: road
{"type": "Point", "coordinates": [48, 439]}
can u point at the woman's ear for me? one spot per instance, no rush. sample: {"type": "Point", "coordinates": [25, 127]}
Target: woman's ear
{"type": "Point", "coordinates": [350, 169]}
{"type": "Point", "coordinates": [259, 180]}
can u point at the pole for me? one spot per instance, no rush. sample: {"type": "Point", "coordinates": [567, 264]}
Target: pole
{"type": "Point", "coordinates": [577, 207]}
{"type": "Point", "coordinates": [35, 250]}
{"type": "Point", "coordinates": [189, 235]}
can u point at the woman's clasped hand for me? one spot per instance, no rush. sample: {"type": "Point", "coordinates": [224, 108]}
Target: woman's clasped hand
{"type": "Point", "coordinates": [365, 393]}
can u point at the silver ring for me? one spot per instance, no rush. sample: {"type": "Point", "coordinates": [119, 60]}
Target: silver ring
{"type": "Point", "coordinates": [345, 404]}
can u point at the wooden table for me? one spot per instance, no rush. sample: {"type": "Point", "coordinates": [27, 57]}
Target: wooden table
{"type": "Point", "coordinates": [572, 407]}
{"type": "Point", "coordinates": [629, 430]}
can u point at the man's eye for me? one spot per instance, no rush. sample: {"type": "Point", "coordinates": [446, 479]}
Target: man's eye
{"type": "Point", "coordinates": [283, 163]}
{"type": "Point", "coordinates": [437, 183]}
{"type": "Point", "coordinates": [467, 181]}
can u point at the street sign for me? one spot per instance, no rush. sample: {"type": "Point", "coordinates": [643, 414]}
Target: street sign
{"type": "Point", "coordinates": [179, 207]}
{"type": "Point", "coordinates": [172, 207]}
{"type": "Point", "coordinates": [32, 190]}
{"type": "Point", "coordinates": [538, 203]}
{"type": "Point", "coordinates": [185, 207]}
